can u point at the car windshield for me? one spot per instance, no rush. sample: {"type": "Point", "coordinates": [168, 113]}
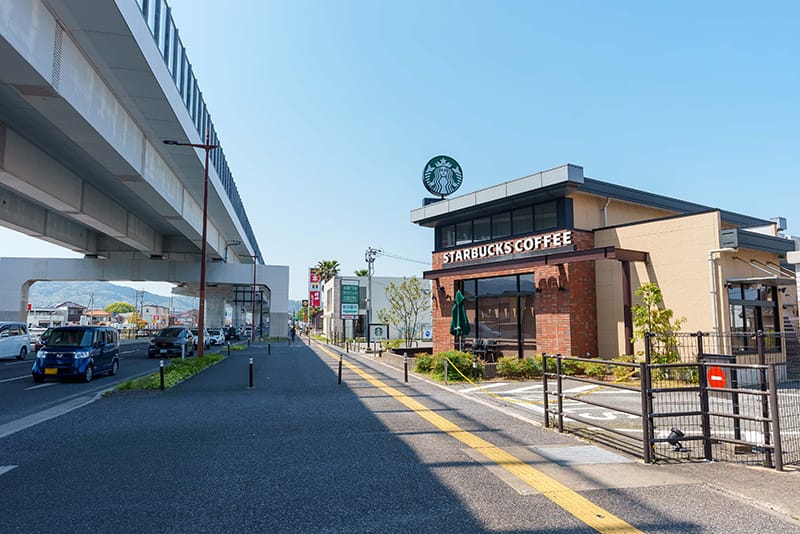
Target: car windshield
{"type": "Point", "coordinates": [72, 338]}
{"type": "Point", "coordinates": [170, 332]}
{"type": "Point", "coordinates": [214, 332]}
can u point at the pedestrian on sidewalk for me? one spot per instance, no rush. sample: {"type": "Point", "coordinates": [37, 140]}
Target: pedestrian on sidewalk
{"type": "Point", "coordinates": [292, 334]}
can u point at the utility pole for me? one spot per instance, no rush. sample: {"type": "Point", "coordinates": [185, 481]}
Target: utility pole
{"type": "Point", "coordinates": [369, 257]}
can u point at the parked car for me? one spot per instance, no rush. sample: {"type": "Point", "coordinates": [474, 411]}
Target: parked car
{"type": "Point", "coordinates": [206, 337]}
{"type": "Point", "coordinates": [172, 341]}
{"type": "Point", "coordinates": [15, 340]}
{"type": "Point", "coordinates": [41, 341]}
{"type": "Point", "coordinates": [78, 352]}
{"type": "Point", "coordinates": [216, 336]}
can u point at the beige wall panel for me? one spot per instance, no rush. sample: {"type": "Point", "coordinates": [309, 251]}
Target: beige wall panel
{"type": "Point", "coordinates": [588, 212]}
{"type": "Point", "coordinates": [678, 262]}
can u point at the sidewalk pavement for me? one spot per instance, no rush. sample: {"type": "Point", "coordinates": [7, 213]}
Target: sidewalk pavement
{"type": "Point", "coordinates": [767, 488]}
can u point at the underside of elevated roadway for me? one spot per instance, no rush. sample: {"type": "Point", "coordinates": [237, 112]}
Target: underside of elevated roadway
{"type": "Point", "coordinates": [86, 100]}
{"type": "Point", "coordinates": [222, 280]}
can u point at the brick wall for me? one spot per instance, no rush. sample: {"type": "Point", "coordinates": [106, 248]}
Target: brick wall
{"type": "Point", "coordinates": [565, 304]}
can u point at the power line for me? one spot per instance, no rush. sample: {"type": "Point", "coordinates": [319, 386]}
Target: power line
{"type": "Point", "coordinates": [381, 252]}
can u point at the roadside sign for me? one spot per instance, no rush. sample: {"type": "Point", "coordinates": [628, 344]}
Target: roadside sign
{"type": "Point", "coordinates": [716, 377]}
{"type": "Point", "coordinates": [350, 298]}
{"type": "Point", "coordinates": [427, 334]}
{"type": "Point", "coordinates": [378, 331]}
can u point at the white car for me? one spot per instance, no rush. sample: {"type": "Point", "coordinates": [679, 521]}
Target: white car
{"type": "Point", "coordinates": [216, 336]}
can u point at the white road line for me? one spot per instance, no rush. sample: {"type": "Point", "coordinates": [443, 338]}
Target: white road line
{"type": "Point", "coordinates": [31, 420]}
{"type": "Point", "coordinates": [581, 388]}
{"type": "Point", "coordinates": [487, 386]}
{"type": "Point", "coordinates": [15, 378]}
{"type": "Point", "coordinates": [6, 468]}
{"type": "Point", "coordinates": [18, 362]}
{"type": "Point", "coordinates": [46, 384]}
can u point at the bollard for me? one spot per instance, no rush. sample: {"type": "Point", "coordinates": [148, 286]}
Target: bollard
{"type": "Point", "coordinates": [161, 372]}
{"type": "Point", "coordinates": [347, 347]}
{"type": "Point", "coordinates": [405, 366]}
{"type": "Point", "coordinates": [340, 368]}
{"type": "Point", "coordinates": [183, 351]}
{"type": "Point", "coordinates": [229, 348]}
{"type": "Point", "coordinates": [269, 349]}
{"type": "Point", "coordinates": [445, 371]}
{"type": "Point", "coordinates": [251, 372]}
{"type": "Point", "coordinates": [474, 367]}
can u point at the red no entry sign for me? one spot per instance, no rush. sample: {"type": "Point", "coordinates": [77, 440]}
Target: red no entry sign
{"type": "Point", "coordinates": [716, 377]}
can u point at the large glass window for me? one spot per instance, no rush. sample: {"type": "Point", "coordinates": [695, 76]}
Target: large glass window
{"type": "Point", "coordinates": [501, 313]}
{"type": "Point", "coordinates": [447, 236]}
{"type": "Point", "coordinates": [464, 233]}
{"type": "Point", "coordinates": [545, 215]}
{"type": "Point", "coordinates": [482, 229]}
{"type": "Point", "coordinates": [522, 221]}
{"type": "Point", "coordinates": [753, 307]}
{"type": "Point", "coordinates": [501, 225]}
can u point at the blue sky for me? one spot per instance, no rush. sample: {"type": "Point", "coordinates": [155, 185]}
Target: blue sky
{"type": "Point", "coordinates": [327, 111]}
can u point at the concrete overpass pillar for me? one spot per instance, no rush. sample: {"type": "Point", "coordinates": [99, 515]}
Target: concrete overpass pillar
{"type": "Point", "coordinates": [215, 310]}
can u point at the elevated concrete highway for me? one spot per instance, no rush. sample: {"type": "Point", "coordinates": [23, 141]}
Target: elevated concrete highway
{"type": "Point", "coordinates": [88, 92]}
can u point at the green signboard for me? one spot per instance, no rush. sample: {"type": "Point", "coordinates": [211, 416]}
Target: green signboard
{"type": "Point", "coordinates": [350, 299]}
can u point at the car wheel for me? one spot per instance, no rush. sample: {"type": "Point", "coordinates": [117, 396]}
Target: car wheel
{"type": "Point", "coordinates": [38, 379]}
{"type": "Point", "coordinates": [88, 374]}
{"type": "Point", "coordinates": [23, 353]}
{"type": "Point", "coordinates": [114, 368]}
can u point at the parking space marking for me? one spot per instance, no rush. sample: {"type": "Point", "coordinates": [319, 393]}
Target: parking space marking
{"type": "Point", "coordinates": [569, 500]}
{"type": "Point", "coordinates": [487, 386]}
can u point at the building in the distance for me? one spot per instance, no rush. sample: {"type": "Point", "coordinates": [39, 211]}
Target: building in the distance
{"type": "Point", "coordinates": [333, 324]}
{"type": "Point", "coordinates": [550, 263]}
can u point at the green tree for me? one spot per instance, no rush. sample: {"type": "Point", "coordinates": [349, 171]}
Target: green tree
{"type": "Point", "coordinates": [119, 307]}
{"type": "Point", "coordinates": [137, 320]}
{"type": "Point", "coordinates": [361, 272]}
{"type": "Point", "coordinates": [327, 269]}
{"type": "Point", "coordinates": [651, 317]}
{"type": "Point", "coordinates": [407, 301]}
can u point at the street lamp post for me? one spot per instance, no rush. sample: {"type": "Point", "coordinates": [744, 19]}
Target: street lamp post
{"type": "Point", "coordinates": [201, 320]}
{"type": "Point", "coordinates": [253, 310]}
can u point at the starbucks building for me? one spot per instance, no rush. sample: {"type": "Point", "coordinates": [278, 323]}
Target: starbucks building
{"type": "Point", "coordinates": [550, 263]}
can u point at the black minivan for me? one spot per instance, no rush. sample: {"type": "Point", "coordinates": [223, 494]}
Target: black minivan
{"type": "Point", "coordinates": [78, 351]}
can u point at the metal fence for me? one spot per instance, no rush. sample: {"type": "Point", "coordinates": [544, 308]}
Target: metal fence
{"type": "Point", "coordinates": [684, 402]}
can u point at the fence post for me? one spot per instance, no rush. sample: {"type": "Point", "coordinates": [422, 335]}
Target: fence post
{"type": "Point", "coordinates": [559, 393]}
{"type": "Point", "coordinates": [644, 388]}
{"type": "Point", "coordinates": [705, 418]}
{"type": "Point", "coordinates": [446, 372]}
{"type": "Point", "coordinates": [647, 336]}
{"type": "Point", "coordinates": [699, 346]}
{"type": "Point", "coordinates": [776, 419]}
{"type": "Point", "coordinates": [546, 402]}
{"type": "Point", "coordinates": [762, 374]}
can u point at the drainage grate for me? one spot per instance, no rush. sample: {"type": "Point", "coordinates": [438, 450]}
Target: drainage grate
{"type": "Point", "coordinates": [580, 455]}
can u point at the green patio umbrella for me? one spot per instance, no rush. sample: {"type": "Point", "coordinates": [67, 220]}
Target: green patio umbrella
{"type": "Point", "coordinates": [459, 324]}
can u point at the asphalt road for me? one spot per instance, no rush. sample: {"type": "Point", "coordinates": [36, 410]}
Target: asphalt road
{"type": "Point", "coordinates": [300, 453]}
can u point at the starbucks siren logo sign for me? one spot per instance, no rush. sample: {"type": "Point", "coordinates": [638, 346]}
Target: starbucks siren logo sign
{"type": "Point", "coordinates": [442, 175]}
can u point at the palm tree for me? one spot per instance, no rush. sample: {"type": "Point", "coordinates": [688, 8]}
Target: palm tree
{"type": "Point", "coordinates": [327, 269]}
{"type": "Point", "coordinates": [361, 272]}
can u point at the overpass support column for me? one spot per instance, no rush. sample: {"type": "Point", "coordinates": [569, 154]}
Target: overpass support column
{"type": "Point", "coordinates": [215, 310]}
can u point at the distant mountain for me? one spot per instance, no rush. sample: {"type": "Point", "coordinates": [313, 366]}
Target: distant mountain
{"type": "Point", "coordinates": [98, 295]}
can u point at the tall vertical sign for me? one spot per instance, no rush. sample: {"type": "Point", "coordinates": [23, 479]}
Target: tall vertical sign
{"type": "Point", "coordinates": [314, 299]}
{"type": "Point", "coordinates": [349, 299]}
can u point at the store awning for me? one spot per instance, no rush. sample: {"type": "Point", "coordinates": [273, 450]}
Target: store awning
{"type": "Point", "coordinates": [764, 281]}
{"type": "Point", "coordinates": [560, 258]}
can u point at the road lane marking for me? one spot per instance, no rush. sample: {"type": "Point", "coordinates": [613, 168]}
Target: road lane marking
{"type": "Point", "coordinates": [6, 468]}
{"type": "Point", "coordinates": [520, 390]}
{"type": "Point", "coordinates": [31, 420]}
{"type": "Point", "coordinates": [45, 385]}
{"type": "Point", "coordinates": [568, 499]}
{"type": "Point", "coordinates": [15, 378]}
